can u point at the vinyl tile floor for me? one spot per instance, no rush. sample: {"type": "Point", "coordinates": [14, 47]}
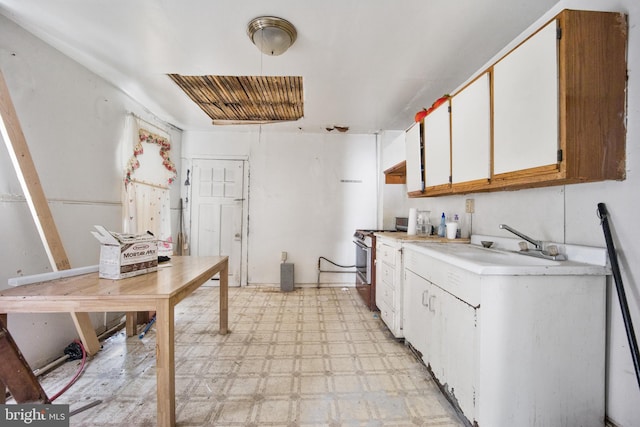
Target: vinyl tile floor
{"type": "Point", "coordinates": [311, 357]}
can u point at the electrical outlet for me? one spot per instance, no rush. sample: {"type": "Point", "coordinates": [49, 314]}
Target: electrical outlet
{"type": "Point", "coordinates": [283, 256]}
{"type": "Point", "coordinates": [469, 206]}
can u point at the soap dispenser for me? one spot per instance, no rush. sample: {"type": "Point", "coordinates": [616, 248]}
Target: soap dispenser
{"type": "Point", "coordinates": [442, 227]}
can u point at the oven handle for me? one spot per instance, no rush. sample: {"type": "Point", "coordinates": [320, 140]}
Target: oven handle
{"type": "Point", "coordinates": [361, 245]}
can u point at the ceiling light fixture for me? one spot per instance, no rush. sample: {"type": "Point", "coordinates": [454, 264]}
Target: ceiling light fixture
{"type": "Point", "coordinates": [272, 35]}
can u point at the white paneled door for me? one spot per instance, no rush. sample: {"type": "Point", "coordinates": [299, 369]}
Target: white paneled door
{"type": "Point", "coordinates": [217, 197]}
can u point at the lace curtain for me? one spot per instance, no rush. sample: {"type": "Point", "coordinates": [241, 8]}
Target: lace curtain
{"type": "Point", "coordinates": [148, 175]}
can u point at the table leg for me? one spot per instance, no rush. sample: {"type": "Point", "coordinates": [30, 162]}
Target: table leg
{"type": "Point", "coordinates": [224, 298]}
{"type": "Point", "coordinates": [165, 364]}
{"type": "Point", "coordinates": [87, 332]}
{"type": "Point", "coordinates": [131, 323]}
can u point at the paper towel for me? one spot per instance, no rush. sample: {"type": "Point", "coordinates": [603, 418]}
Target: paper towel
{"type": "Point", "coordinates": [413, 217]}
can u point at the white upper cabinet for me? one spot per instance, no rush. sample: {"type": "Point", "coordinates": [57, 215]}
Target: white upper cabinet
{"type": "Point", "coordinates": [437, 147]}
{"type": "Point", "coordinates": [525, 104]}
{"type": "Point", "coordinates": [471, 132]}
{"type": "Point", "coordinates": [414, 159]}
{"type": "Point", "coordinates": [550, 112]}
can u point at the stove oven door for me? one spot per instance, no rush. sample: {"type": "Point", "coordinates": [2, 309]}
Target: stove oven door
{"type": "Point", "coordinates": [363, 288]}
{"type": "Point", "coordinates": [363, 262]}
{"type": "Point", "coordinates": [364, 275]}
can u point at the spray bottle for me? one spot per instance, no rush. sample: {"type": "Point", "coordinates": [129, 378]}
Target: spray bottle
{"type": "Point", "coordinates": [442, 226]}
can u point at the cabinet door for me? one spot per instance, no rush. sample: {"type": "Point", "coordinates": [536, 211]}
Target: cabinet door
{"type": "Point", "coordinates": [414, 159]}
{"type": "Point", "coordinates": [416, 314]}
{"type": "Point", "coordinates": [459, 343]}
{"type": "Point", "coordinates": [471, 132]}
{"type": "Point", "coordinates": [385, 289]}
{"type": "Point", "coordinates": [437, 147]}
{"type": "Point", "coordinates": [525, 104]}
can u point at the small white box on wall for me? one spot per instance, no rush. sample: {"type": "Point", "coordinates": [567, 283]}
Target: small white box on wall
{"type": "Point", "coordinates": [125, 255]}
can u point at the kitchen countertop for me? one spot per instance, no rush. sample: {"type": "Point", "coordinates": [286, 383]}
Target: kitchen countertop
{"type": "Point", "coordinates": [500, 262]}
{"type": "Point", "coordinates": [404, 237]}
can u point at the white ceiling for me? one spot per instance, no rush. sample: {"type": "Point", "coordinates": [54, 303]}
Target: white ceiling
{"type": "Point", "coordinates": [367, 64]}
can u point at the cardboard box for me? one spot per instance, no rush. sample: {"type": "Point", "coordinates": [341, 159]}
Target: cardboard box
{"type": "Point", "coordinates": [125, 255]}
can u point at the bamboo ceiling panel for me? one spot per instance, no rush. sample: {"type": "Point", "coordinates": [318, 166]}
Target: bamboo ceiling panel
{"type": "Point", "coordinates": [245, 98]}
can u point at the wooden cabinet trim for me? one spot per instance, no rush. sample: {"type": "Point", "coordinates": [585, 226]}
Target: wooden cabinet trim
{"type": "Point", "coordinates": [471, 186]}
{"type": "Point", "coordinates": [525, 173]}
{"type": "Point", "coordinates": [396, 174]}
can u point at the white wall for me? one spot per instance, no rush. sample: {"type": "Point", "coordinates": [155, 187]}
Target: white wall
{"type": "Point", "coordinates": [73, 122]}
{"type": "Point", "coordinates": [299, 201]}
{"type": "Point", "coordinates": [568, 214]}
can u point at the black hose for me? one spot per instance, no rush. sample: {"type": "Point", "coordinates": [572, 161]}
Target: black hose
{"type": "Point", "coordinates": [622, 298]}
{"type": "Point", "coordinates": [331, 271]}
{"type": "Point", "coordinates": [337, 265]}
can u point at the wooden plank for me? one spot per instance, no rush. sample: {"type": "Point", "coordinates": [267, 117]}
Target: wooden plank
{"type": "Point", "coordinates": [469, 186]}
{"type": "Point", "coordinates": [395, 179]}
{"type": "Point", "coordinates": [398, 169]}
{"type": "Point", "coordinates": [87, 333]}
{"type": "Point", "coordinates": [16, 373]}
{"type": "Point", "coordinates": [245, 98]}
{"type": "Point", "coordinates": [396, 174]}
{"type": "Point", "coordinates": [29, 180]}
{"type": "Point", "coordinates": [38, 205]}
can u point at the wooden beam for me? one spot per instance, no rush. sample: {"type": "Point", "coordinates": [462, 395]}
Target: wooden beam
{"type": "Point", "coordinates": [38, 205]}
{"type": "Point", "coordinates": [16, 373]}
{"type": "Point", "coordinates": [86, 331]}
{"type": "Point", "coordinates": [28, 176]}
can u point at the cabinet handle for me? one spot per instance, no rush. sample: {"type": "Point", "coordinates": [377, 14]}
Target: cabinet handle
{"type": "Point", "coordinates": [432, 308]}
{"type": "Point", "coordinates": [425, 298]}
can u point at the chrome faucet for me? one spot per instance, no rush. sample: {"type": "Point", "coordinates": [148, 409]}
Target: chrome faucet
{"type": "Point", "coordinates": [551, 252]}
{"type": "Point", "coordinates": [536, 243]}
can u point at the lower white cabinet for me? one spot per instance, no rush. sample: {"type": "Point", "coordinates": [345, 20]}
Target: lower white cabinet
{"type": "Point", "coordinates": [389, 283]}
{"type": "Point", "coordinates": [524, 350]}
{"type": "Point", "coordinates": [443, 329]}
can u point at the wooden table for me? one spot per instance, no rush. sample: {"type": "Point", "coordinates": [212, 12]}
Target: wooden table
{"type": "Point", "coordinates": [159, 291]}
